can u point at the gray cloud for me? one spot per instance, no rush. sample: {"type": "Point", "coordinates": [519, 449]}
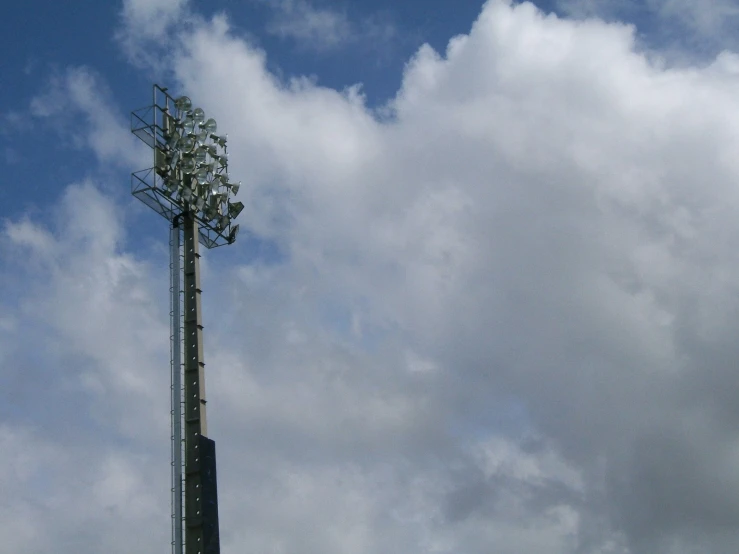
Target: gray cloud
{"type": "Point", "coordinates": [320, 28]}
{"type": "Point", "coordinates": [80, 93]}
{"type": "Point", "coordinates": [681, 31]}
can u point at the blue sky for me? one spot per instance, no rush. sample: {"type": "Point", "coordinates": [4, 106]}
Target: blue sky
{"type": "Point", "coordinates": [83, 35]}
{"type": "Point", "coordinates": [483, 303]}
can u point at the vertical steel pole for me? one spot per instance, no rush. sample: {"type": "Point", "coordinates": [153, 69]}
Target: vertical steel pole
{"type": "Point", "coordinates": [176, 320]}
{"type": "Point", "coordinates": [194, 488]}
{"type": "Point", "coordinates": [195, 416]}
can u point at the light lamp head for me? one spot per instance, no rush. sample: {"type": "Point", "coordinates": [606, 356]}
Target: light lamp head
{"type": "Point", "coordinates": [188, 125]}
{"type": "Point", "coordinates": [232, 234]}
{"type": "Point", "coordinates": [235, 209]}
{"type": "Point", "coordinates": [183, 103]}
{"type": "Point", "coordinates": [209, 126]}
{"type": "Point", "coordinates": [234, 187]}
{"type": "Point", "coordinates": [220, 140]}
{"type": "Point", "coordinates": [202, 176]}
{"type": "Point", "coordinates": [223, 222]}
{"type": "Point", "coordinates": [188, 143]}
{"type": "Point", "coordinates": [188, 165]}
{"type": "Point", "coordinates": [201, 155]}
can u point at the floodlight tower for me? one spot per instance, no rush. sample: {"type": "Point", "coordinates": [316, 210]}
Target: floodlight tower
{"type": "Point", "coordinates": [188, 185]}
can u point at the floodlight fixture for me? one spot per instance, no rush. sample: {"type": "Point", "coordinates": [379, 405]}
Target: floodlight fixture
{"type": "Point", "coordinates": [209, 126]}
{"type": "Point", "coordinates": [188, 125]}
{"type": "Point", "coordinates": [204, 192]}
{"type": "Point", "coordinates": [213, 206]}
{"type": "Point", "coordinates": [189, 185]}
{"type": "Point", "coordinates": [183, 103]}
{"type": "Point", "coordinates": [222, 159]}
{"type": "Point", "coordinates": [234, 187]}
{"type": "Point", "coordinates": [188, 165]}
{"type": "Point", "coordinates": [220, 140]}
{"type": "Point", "coordinates": [233, 233]}
{"type": "Point", "coordinates": [223, 222]}
{"type": "Point", "coordinates": [235, 209]}
{"type": "Point", "coordinates": [202, 175]}
{"type": "Point", "coordinates": [187, 144]}
{"type": "Point", "coordinates": [201, 155]}
{"type": "Point", "coordinates": [174, 139]}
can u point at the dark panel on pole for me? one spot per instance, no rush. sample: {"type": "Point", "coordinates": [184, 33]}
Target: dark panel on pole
{"type": "Point", "coordinates": [209, 497]}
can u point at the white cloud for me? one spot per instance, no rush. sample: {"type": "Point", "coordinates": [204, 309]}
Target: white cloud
{"type": "Point", "coordinates": [683, 29]}
{"type": "Point", "coordinates": [711, 25]}
{"type": "Point", "coordinates": [321, 28]}
{"type": "Point", "coordinates": [80, 92]}
{"type": "Point", "coordinates": [95, 305]}
{"type": "Point", "coordinates": [147, 28]}
{"type": "Point", "coordinates": [538, 244]}
{"type": "Point", "coordinates": [26, 234]}
{"type": "Point", "coordinates": [152, 17]}
{"type": "Point", "coordinates": [534, 220]}
{"type": "Point", "coordinates": [60, 497]}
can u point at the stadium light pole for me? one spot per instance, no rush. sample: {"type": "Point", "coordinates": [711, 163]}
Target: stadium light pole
{"type": "Point", "coordinates": [189, 186]}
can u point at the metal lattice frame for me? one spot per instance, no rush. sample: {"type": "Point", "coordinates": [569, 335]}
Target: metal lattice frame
{"type": "Point", "coordinates": [155, 125]}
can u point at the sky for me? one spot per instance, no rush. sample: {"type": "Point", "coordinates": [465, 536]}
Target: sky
{"type": "Point", "coordinates": [484, 298]}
